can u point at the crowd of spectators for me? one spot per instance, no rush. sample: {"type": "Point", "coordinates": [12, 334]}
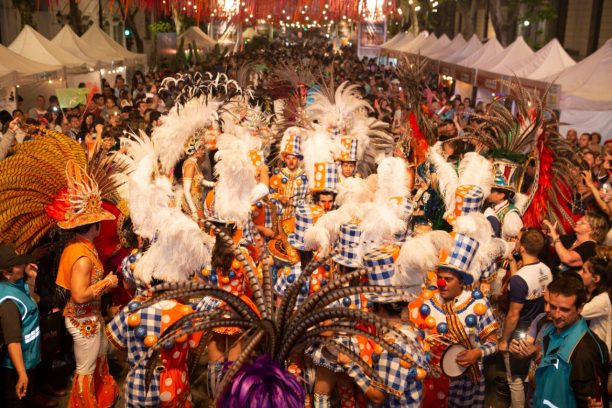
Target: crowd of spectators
{"type": "Point", "coordinates": [133, 104]}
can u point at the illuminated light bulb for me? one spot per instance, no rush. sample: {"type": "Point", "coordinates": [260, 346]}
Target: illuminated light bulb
{"type": "Point", "coordinates": [417, 8]}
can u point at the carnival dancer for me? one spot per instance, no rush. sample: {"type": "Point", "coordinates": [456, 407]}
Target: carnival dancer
{"type": "Point", "coordinates": [348, 159]}
{"type": "Point", "coordinates": [81, 272]}
{"type": "Point", "coordinates": [192, 178]}
{"type": "Point", "coordinates": [506, 217]}
{"type": "Point", "coordinates": [330, 374]}
{"type": "Point", "coordinates": [454, 315]}
{"type": "Point", "coordinates": [289, 185]}
{"type": "Point", "coordinates": [50, 178]}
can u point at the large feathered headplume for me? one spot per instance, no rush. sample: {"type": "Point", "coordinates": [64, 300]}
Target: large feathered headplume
{"type": "Point", "coordinates": [279, 332]}
{"type": "Point", "coordinates": [171, 232]}
{"type": "Point", "coordinates": [410, 71]}
{"type": "Point", "coordinates": [34, 192]}
{"type": "Point", "coordinates": [200, 101]}
{"type": "Point", "coordinates": [529, 138]}
{"type": "Point", "coordinates": [336, 108]}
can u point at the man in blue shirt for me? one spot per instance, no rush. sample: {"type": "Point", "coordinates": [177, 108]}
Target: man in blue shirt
{"type": "Point", "coordinates": [573, 371]}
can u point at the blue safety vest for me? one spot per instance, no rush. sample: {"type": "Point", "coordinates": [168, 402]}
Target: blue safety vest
{"type": "Point", "coordinates": [552, 376]}
{"type": "Point", "coordinates": [19, 293]}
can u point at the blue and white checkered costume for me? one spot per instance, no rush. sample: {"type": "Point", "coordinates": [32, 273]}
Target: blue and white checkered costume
{"type": "Point", "coordinates": [472, 201]}
{"type": "Point", "coordinates": [122, 336]}
{"type": "Point", "coordinates": [393, 376]}
{"type": "Point", "coordinates": [463, 392]}
{"type": "Point", "coordinates": [461, 256]}
{"type": "Point", "coordinates": [348, 243]}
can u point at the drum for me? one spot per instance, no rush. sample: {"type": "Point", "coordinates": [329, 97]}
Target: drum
{"type": "Point", "coordinates": [448, 362]}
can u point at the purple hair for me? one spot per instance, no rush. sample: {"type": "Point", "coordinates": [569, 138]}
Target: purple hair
{"type": "Point", "coordinates": [263, 384]}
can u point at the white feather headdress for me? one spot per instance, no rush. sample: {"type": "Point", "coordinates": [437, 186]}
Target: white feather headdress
{"type": "Point", "coordinates": [419, 255]}
{"type": "Point", "coordinates": [181, 123]}
{"type": "Point", "coordinates": [235, 180]}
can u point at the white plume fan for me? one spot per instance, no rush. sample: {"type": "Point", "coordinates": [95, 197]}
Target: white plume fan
{"type": "Point", "coordinates": [392, 179]}
{"type": "Point", "coordinates": [235, 181]}
{"type": "Point", "coordinates": [448, 180]}
{"type": "Point", "coordinates": [419, 255]}
{"type": "Point", "coordinates": [179, 125]}
{"type": "Point", "coordinates": [475, 169]}
{"type": "Point", "coordinates": [172, 233]}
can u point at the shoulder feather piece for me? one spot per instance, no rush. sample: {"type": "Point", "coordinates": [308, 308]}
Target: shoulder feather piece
{"type": "Point", "coordinates": [172, 233]}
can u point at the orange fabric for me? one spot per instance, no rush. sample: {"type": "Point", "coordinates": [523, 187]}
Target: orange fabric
{"type": "Point", "coordinates": [82, 392]}
{"type": "Point", "coordinates": [174, 380]}
{"type": "Point", "coordinates": [75, 250]}
{"type": "Point", "coordinates": [106, 388]}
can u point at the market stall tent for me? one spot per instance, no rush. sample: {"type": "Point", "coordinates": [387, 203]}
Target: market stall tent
{"type": "Point", "coordinates": [456, 44]}
{"type": "Point", "coordinates": [396, 39]}
{"type": "Point", "coordinates": [18, 70]}
{"type": "Point", "coordinates": [516, 51]}
{"type": "Point", "coordinates": [434, 47]}
{"type": "Point", "coordinates": [471, 47]}
{"type": "Point", "coordinates": [71, 42]}
{"type": "Point", "coordinates": [420, 42]}
{"type": "Point", "coordinates": [487, 52]}
{"type": "Point", "coordinates": [406, 39]}
{"type": "Point", "coordinates": [33, 45]}
{"type": "Point", "coordinates": [108, 46]}
{"type": "Point", "coordinates": [550, 60]}
{"type": "Point", "coordinates": [195, 35]}
{"type": "Point", "coordinates": [586, 94]}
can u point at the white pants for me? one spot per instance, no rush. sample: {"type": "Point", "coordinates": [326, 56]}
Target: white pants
{"type": "Point", "coordinates": [88, 348]}
{"type": "Point", "coordinates": [515, 383]}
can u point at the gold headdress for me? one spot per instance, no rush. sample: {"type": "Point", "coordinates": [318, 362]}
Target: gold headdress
{"type": "Point", "coordinates": [43, 183]}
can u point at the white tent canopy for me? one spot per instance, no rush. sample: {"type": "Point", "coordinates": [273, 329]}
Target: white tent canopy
{"type": "Point", "coordinates": [586, 85]}
{"type": "Point", "coordinates": [31, 44]}
{"type": "Point", "coordinates": [548, 61]}
{"type": "Point", "coordinates": [433, 47]}
{"type": "Point", "coordinates": [396, 39]}
{"type": "Point", "coordinates": [415, 46]}
{"type": "Point", "coordinates": [471, 47]}
{"type": "Point", "coordinates": [488, 51]}
{"type": "Point", "coordinates": [95, 35]}
{"type": "Point", "coordinates": [456, 44]}
{"type": "Point", "coordinates": [69, 41]}
{"type": "Point", "coordinates": [518, 50]}
{"type": "Point", "coordinates": [18, 70]}
{"type": "Point", "coordinates": [195, 34]}
{"type": "Point", "coordinates": [406, 39]}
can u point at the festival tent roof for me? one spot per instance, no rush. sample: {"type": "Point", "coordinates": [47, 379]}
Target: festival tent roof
{"type": "Point", "coordinates": [31, 44]}
{"type": "Point", "coordinates": [516, 51]}
{"type": "Point", "coordinates": [586, 85]}
{"type": "Point", "coordinates": [433, 47]}
{"type": "Point", "coordinates": [488, 51]}
{"type": "Point", "coordinates": [548, 61]}
{"type": "Point", "coordinates": [69, 41]}
{"type": "Point", "coordinates": [471, 47]}
{"type": "Point", "coordinates": [415, 46]}
{"type": "Point", "coordinates": [406, 39]}
{"type": "Point", "coordinates": [18, 70]}
{"type": "Point", "coordinates": [95, 35]}
{"type": "Point", "coordinates": [396, 39]}
{"type": "Point", "coordinates": [195, 34]}
{"type": "Point", "coordinates": [456, 44]}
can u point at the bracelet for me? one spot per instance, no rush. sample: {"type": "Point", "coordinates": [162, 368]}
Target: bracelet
{"type": "Point", "coordinates": [556, 240]}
